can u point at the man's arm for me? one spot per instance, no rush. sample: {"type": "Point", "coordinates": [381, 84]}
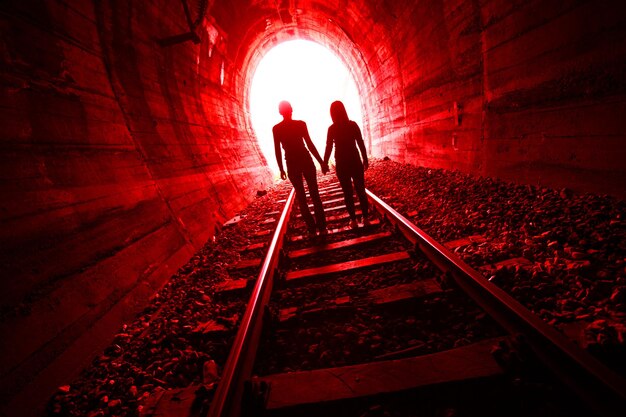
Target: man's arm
{"type": "Point", "coordinates": [361, 145]}
{"type": "Point", "coordinates": [279, 156]}
{"type": "Point", "coordinates": [312, 148]}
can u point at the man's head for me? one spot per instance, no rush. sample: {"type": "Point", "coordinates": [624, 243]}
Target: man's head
{"type": "Point", "coordinates": [284, 108]}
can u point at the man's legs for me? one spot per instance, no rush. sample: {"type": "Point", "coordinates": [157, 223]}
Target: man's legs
{"type": "Point", "coordinates": [298, 185]}
{"type": "Point", "coordinates": [311, 179]}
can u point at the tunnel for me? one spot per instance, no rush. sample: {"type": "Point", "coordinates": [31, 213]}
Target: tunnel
{"type": "Point", "coordinates": [127, 139]}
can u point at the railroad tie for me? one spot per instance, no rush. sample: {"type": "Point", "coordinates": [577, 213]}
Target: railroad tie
{"type": "Point", "coordinates": [248, 263]}
{"type": "Point", "coordinates": [305, 275]}
{"type": "Point", "coordinates": [349, 382]}
{"type": "Point", "coordinates": [334, 231]}
{"type": "Point", "coordinates": [335, 208]}
{"type": "Point", "coordinates": [395, 295]}
{"type": "Point", "coordinates": [338, 245]}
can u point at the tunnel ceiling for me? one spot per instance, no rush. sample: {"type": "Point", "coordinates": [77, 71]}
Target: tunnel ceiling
{"type": "Point", "coordinates": [335, 25]}
{"type": "Point", "coordinates": [127, 141]}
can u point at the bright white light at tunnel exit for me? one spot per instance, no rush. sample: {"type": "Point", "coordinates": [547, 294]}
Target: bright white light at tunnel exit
{"type": "Point", "coordinates": [310, 77]}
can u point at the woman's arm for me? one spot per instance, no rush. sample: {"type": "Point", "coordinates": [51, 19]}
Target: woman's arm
{"type": "Point", "coordinates": [329, 145]}
{"type": "Point", "coordinates": [361, 145]}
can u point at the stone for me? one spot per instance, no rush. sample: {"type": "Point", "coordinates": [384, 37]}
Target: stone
{"type": "Point", "coordinates": [210, 372]}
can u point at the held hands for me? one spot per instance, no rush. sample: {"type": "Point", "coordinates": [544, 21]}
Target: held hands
{"type": "Point", "coordinates": [283, 176]}
{"type": "Point", "coordinates": [325, 168]}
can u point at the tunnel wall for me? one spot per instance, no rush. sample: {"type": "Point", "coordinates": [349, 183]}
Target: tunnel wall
{"type": "Point", "coordinates": [120, 159]}
{"type": "Point", "coordinates": [528, 91]}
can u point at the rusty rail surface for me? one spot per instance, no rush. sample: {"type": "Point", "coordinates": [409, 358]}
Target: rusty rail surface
{"type": "Point", "coordinates": [603, 390]}
{"type": "Point", "coordinates": [238, 368]}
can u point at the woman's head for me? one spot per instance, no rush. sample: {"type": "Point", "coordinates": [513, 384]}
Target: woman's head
{"type": "Point", "coordinates": [338, 112]}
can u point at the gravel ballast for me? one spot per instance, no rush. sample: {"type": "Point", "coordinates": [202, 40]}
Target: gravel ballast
{"type": "Point", "coordinates": [575, 280]}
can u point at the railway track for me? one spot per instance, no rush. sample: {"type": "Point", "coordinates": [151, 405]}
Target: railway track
{"type": "Point", "coordinates": [380, 274]}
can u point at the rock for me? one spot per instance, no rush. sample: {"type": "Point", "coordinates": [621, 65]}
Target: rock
{"type": "Point", "coordinates": [115, 403]}
{"type": "Point", "coordinates": [210, 327]}
{"type": "Point", "coordinates": [618, 295]}
{"type": "Point", "coordinates": [210, 372]}
{"type": "Point", "coordinates": [375, 411]}
{"type": "Point", "coordinates": [566, 193]}
{"type": "Point", "coordinates": [114, 350]}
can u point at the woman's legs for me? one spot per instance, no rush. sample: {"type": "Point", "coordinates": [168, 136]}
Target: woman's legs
{"type": "Point", "coordinates": [359, 187]}
{"type": "Point", "coordinates": [345, 180]}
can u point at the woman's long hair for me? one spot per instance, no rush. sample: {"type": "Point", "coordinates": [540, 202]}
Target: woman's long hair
{"type": "Point", "coordinates": [338, 112]}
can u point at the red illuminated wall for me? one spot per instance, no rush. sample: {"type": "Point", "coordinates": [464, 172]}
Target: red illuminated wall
{"type": "Point", "coordinates": [120, 157]}
{"type": "Point", "coordinates": [529, 91]}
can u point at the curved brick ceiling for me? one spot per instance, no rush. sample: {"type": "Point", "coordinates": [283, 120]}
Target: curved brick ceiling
{"type": "Point", "coordinates": [339, 26]}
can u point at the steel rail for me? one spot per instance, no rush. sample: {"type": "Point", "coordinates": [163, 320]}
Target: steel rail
{"type": "Point", "coordinates": [603, 390]}
{"type": "Point", "coordinates": [238, 368]}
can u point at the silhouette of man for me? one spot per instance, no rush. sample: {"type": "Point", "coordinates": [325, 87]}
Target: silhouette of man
{"type": "Point", "coordinates": [292, 135]}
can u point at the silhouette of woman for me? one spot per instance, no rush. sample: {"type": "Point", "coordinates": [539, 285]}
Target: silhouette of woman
{"type": "Point", "coordinates": [345, 135]}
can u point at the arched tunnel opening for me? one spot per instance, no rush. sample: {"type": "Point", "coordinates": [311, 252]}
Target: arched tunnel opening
{"type": "Point", "coordinates": [308, 76]}
{"type": "Point", "coordinates": [127, 139]}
